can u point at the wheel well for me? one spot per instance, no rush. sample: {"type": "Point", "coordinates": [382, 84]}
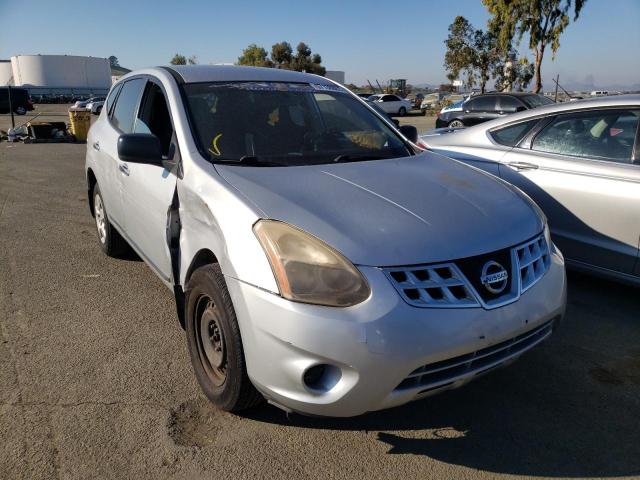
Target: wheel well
{"type": "Point", "coordinates": [91, 182]}
{"type": "Point", "coordinates": [203, 257]}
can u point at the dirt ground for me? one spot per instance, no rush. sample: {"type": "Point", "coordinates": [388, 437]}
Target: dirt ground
{"type": "Point", "coordinates": [95, 379]}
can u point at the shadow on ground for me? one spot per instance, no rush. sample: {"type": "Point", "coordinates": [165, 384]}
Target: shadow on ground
{"type": "Point", "coordinates": [569, 408]}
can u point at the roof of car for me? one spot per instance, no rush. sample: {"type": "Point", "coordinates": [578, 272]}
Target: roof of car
{"type": "Point", "coordinates": [466, 134]}
{"type": "Point", "coordinates": [235, 73]}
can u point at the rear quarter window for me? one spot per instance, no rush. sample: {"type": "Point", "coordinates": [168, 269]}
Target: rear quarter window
{"type": "Point", "coordinates": [510, 136]}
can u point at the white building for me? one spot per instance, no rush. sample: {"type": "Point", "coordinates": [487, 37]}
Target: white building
{"type": "Point", "coordinates": [57, 73]}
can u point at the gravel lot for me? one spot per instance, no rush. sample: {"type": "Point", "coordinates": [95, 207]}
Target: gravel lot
{"type": "Point", "coordinates": [95, 380]}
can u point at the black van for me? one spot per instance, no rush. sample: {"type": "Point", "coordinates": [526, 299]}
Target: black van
{"type": "Point", "coordinates": [20, 100]}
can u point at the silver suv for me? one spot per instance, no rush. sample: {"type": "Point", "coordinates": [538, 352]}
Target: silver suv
{"type": "Point", "coordinates": [317, 257]}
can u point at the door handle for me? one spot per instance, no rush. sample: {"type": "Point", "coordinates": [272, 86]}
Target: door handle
{"type": "Point", "coordinates": [96, 146]}
{"type": "Point", "coordinates": [124, 168]}
{"type": "Point", "coordinates": [523, 165]}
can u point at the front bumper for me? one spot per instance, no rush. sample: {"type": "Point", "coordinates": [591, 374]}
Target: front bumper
{"type": "Point", "coordinates": [379, 343]}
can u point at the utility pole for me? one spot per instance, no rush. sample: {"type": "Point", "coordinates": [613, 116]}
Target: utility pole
{"type": "Point", "coordinates": [557, 80]}
{"type": "Point", "coordinates": [13, 123]}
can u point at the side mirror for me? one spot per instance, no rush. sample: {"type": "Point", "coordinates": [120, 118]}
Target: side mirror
{"type": "Point", "coordinates": [410, 132]}
{"type": "Point", "coordinates": [140, 148]}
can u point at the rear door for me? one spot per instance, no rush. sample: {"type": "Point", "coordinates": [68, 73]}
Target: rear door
{"type": "Point", "coordinates": [582, 169]}
{"type": "Point", "coordinates": [480, 109]}
{"type": "Point", "coordinates": [391, 103]}
{"type": "Point", "coordinates": [148, 189]}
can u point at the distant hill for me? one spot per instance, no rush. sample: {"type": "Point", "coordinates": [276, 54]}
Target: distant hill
{"type": "Point", "coordinates": [119, 71]}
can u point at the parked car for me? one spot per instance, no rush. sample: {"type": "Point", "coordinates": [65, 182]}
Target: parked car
{"type": "Point", "coordinates": [481, 108]}
{"type": "Point", "coordinates": [580, 162]}
{"type": "Point", "coordinates": [317, 259]}
{"type": "Point", "coordinates": [392, 104]}
{"type": "Point", "coordinates": [20, 100]}
{"type": "Point", "coordinates": [95, 106]}
{"type": "Point", "coordinates": [87, 103]}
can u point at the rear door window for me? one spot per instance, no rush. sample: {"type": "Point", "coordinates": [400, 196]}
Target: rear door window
{"type": "Point", "coordinates": [127, 104]}
{"type": "Point", "coordinates": [112, 98]}
{"type": "Point", "coordinates": [603, 135]}
{"type": "Point", "coordinates": [483, 104]}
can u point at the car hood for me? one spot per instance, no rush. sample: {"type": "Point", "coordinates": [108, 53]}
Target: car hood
{"type": "Point", "coordinates": [420, 209]}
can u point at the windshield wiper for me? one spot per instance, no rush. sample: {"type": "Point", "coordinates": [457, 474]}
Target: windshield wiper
{"type": "Point", "coordinates": [250, 161]}
{"type": "Point", "coordinates": [344, 158]}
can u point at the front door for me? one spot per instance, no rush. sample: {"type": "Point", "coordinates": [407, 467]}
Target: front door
{"type": "Point", "coordinates": [148, 189]}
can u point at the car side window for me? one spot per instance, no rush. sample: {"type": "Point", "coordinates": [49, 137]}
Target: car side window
{"type": "Point", "coordinates": [389, 98]}
{"type": "Point", "coordinates": [603, 135]}
{"type": "Point", "coordinates": [112, 98]}
{"type": "Point", "coordinates": [154, 118]}
{"type": "Point", "coordinates": [510, 104]}
{"type": "Point", "coordinates": [127, 104]}
{"type": "Point", "coordinates": [482, 104]}
{"type": "Point", "coordinates": [511, 135]}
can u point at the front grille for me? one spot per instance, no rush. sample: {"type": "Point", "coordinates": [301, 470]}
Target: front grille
{"type": "Point", "coordinates": [435, 285]}
{"type": "Point", "coordinates": [533, 261]}
{"type": "Point", "coordinates": [446, 372]}
{"type": "Point", "coordinates": [458, 284]}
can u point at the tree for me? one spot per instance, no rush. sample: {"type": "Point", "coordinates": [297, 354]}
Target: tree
{"type": "Point", "coordinates": [255, 56]}
{"type": "Point", "coordinates": [192, 60]}
{"type": "Point", "coordinates": [471, 51]}
{"type": "Point", "coordinates": [113, 61]}
{"type": "Point", "coordinates": [513, 73]}
{"type": "Point", "coordinates": [543, 20]}
{"type": "Point", "coordinates": [178, 59]}
{"type": "Point", "coordinates": [281, 55]}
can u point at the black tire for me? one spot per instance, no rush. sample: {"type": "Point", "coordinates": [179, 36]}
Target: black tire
{"type": "Point", "coordinates": [20, 111]}
{"type": "Point", "coordinates": [218, 358]}
{"type": "Point", "coordinates": [98, 110]}
{"type": "Point", "coordinates": [402, 112]}
{"type": "Point", "coordinates": [111, 242]}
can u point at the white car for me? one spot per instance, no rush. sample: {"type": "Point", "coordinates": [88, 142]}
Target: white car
{"type": "Point", "coordinates": [317, 258]}
{"type": "Point", "coordinates": [90, 104]}
{"type": "Point", "coordinates": [392, 104]}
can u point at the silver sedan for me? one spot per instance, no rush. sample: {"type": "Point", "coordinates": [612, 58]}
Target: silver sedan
{"type": "Point", "coordinates": [580, 162]}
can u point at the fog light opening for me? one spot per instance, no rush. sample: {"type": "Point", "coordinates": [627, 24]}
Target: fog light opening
{"type": "Point", "coordinates": [321, 378]}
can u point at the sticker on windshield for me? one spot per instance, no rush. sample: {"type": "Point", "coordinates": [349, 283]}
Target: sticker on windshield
{"type": "Point", "coordinates": [213, 149]}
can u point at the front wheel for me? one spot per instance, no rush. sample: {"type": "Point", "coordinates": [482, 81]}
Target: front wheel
{"type": "Point", "coordinates": [21, 110]}
{"type": "Point", "coordinates": [110, 240]}
{"type": "Point", "coordinates": [402, 112]}
{"type": "Point", "coordinates": [456, 124]}
{"type": "Point", "coordinates": [214, 342]}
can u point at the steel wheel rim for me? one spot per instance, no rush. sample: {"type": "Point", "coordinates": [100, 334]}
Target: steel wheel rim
{"type": "Point", "coordinates": [21, 111]}
{"type": "Point", "coordinates": [210, 340]}
{"type": "Point", "coordinates": [101, 221]}
{"type": "Point", "coordinates": [456, 123]}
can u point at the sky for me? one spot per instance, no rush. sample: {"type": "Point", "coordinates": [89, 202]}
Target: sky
{"type": "Point", "coordinates": [368, 40]}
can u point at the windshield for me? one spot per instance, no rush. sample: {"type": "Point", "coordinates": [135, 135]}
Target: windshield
{"type": "Point", "coordinates": [537, 100]}
{"type": "Point", "coordinates": [262, 123]}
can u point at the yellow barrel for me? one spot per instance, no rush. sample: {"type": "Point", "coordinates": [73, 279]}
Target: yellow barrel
{"type": "Point", "coordinates": [80, 120]}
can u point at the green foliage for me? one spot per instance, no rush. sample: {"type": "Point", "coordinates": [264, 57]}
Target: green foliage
{"type": "Point", "coordinates": [113, 61]}
{"type": "Point", "coordinates": [472, 52]}
{"type": "Point", "coordinates": [282, 57]}
{"type": "Point", "coordinates": [543, 21]}
{"type": "Point", "coordinates": [514, 77]}
{"type": "Point", "coordinates": [254, 56]}
{"type": "Point", "coordinates": [178, 59]}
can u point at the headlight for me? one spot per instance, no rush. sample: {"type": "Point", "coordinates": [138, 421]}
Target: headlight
{"type": "Point", "coordinates": [307, 269]}
{"type": "Point", "coordinates": [547, 235]}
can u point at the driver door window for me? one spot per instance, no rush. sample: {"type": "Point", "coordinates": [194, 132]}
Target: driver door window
{"type": "Point", "coordinates": [154, 117]}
